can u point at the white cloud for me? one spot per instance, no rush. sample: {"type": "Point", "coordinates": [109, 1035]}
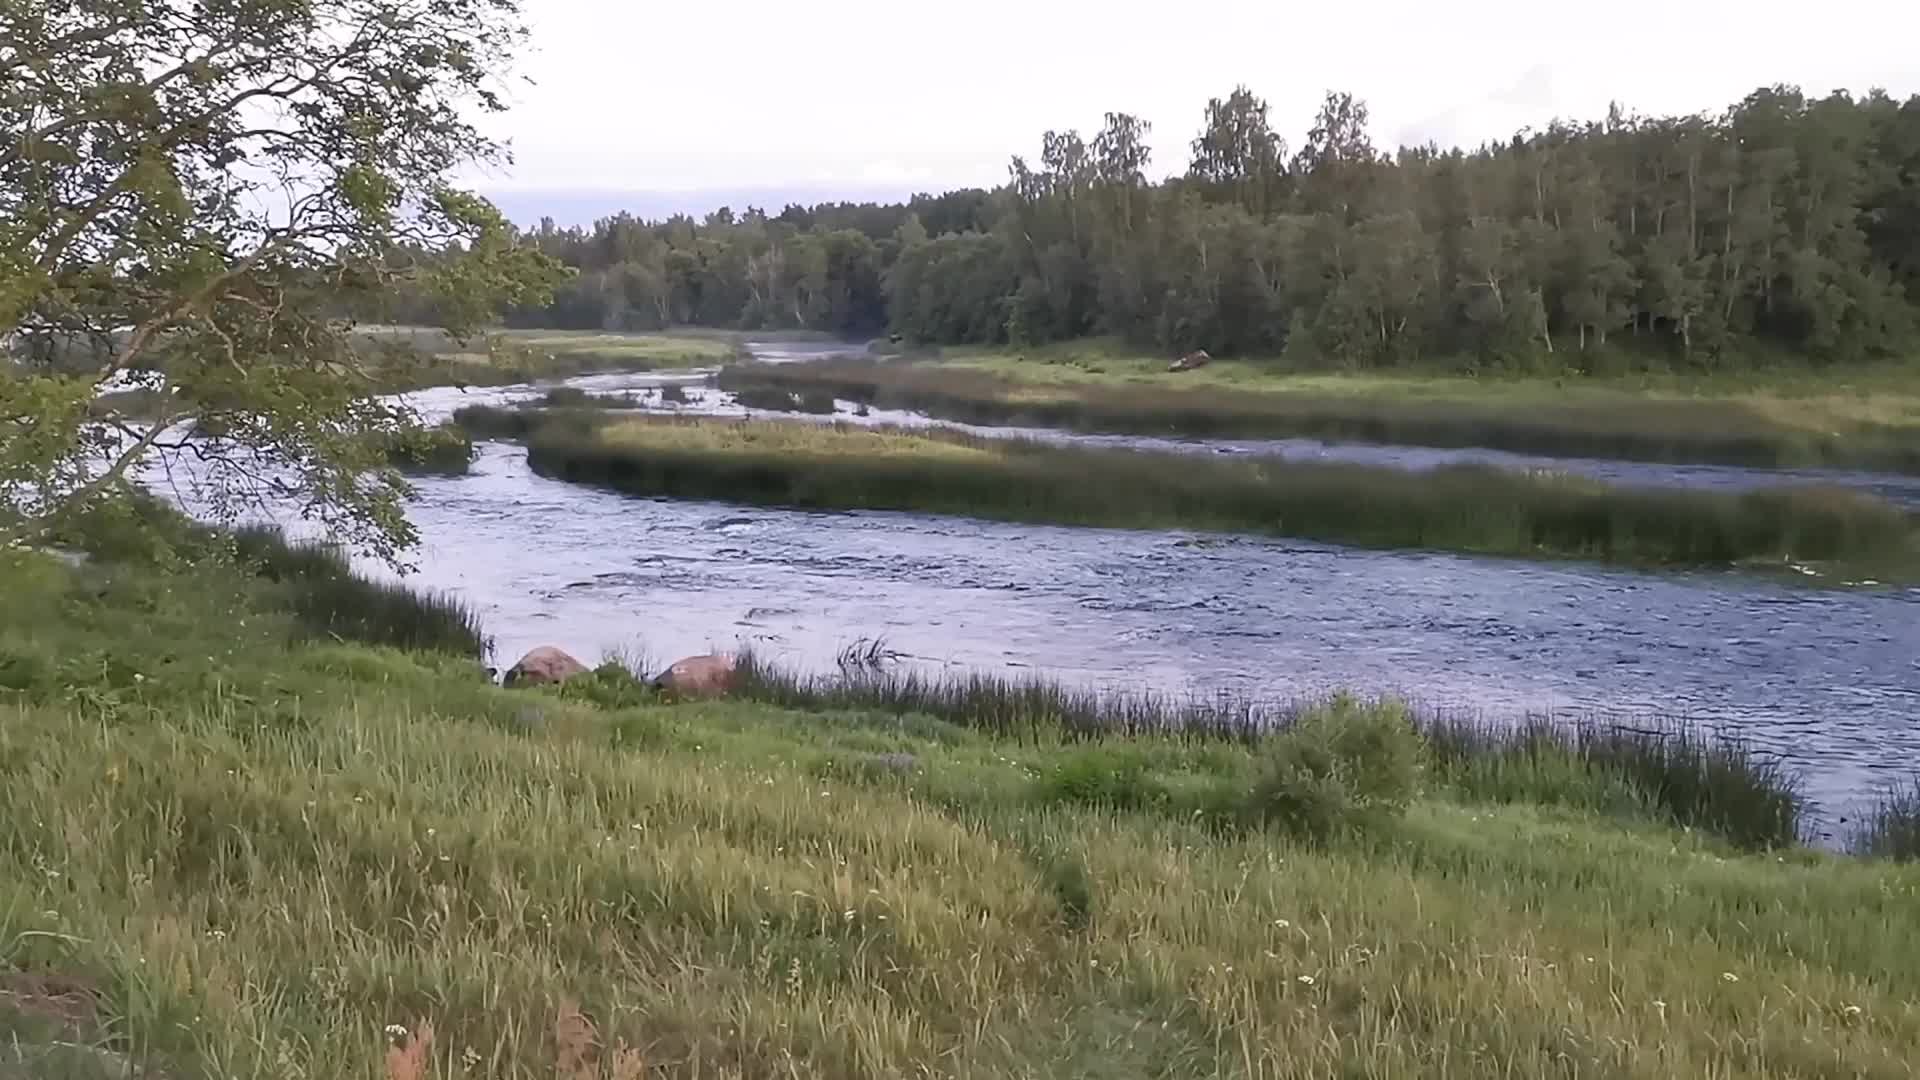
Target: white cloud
{"type": "Point", "coordinates": [643, 96]}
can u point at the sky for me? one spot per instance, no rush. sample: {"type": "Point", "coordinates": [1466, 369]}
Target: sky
{"type": "Point", "coordinates": [660, 106]}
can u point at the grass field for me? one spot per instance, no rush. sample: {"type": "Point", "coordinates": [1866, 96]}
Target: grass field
{"type": "Point", "coordinates": [1861, 418]}
{"type": "Point", "coordinates": [1842, 535]}
{"type": "Point", "coordinates": [250, 848]}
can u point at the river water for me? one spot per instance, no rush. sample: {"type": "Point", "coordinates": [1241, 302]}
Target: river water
{"type": "Point", "coordinates": [1827, 678]}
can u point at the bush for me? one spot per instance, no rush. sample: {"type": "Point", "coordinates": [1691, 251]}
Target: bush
{"type": "Point", "coordinates": [612, 685]}
{"type": "Point", "coordinates": [1339, 769]}
{"type": "Point", "coordinates": [1113, 778]}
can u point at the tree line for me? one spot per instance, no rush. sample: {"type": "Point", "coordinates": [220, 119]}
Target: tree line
{"type": "Point", "coordinates": [1785, 226]}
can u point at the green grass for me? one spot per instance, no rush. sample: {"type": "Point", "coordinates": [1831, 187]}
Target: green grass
{"type": "Point", "coordinates": [1468, 509]}
{"type": "Point", "coordinates": [1858, 419]}
{"type": "Point", "coordinates": [1892, 827]}
{"type": "Point", "coordinates": [265, 851]}
{"type": "Point", "coordinates": [1663, 767]}
{"type": "Point", "coordinates": [446, 450]}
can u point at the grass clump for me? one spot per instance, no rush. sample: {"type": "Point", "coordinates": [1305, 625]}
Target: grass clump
{"type": "Point", "coordinates": [1733, 424]}
{"type": "Point", "coordinates": [1892, 826]}
{"type": "Point", "coordinates": [1114, 777]}
{"type": "Point", "coordinates": [1338, 770]}
{"type": "Point", "coordinates": [330, 601]}
{"type": "Point", "coordinates": [1470, 509]}
{"type": "Point", "coordinates": [1686, 776]}
{"type": "Point", "coordinates": [445, 450]}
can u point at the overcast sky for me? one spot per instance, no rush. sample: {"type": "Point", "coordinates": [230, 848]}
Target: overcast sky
{"type": "Point", "coordinates": [864, 96]}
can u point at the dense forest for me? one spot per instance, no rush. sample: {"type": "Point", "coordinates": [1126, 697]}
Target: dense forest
{"type": "Point", "coordinates": [1786, 226]}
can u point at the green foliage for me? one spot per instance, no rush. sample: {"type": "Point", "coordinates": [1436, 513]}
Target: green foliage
{"type": "Point", "coordinates": [1338, 769]}
{"type": "Point", "coordinates": [143, 251]}
{"type": "Point", "coordinates": [445, 450]}
{"type": "Point", "coordinates": [1783, 226]}
{"type": "Point", "coordinates": [612, 685]}
{"type": "Point", "coordinates": [1113, 777]}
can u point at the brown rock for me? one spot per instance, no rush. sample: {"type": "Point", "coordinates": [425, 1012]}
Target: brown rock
{"type": "Point", "coordinates": [1194, 359]}
{"type": "Point", "coordinates": [698, 676]}
{"type": "Point", "coordinates": [545, 664]}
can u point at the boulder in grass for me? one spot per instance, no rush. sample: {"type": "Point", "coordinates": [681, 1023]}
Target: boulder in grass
{"type": "Point", "coordinates": [542, 666]}
{"type": "Point", "coordinates": [698, 676]}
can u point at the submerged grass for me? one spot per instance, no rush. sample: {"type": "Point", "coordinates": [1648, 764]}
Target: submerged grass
{"type": "Point", "coordinates": [1470, 509]}
{"type": "Point", "coordinates": [266, 856]}
{"type": "Point", "coordinates": [1844, 426]}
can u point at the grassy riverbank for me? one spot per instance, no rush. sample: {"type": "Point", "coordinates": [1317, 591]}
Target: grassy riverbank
{"type": "Point", "coordinates": [411, 358]}
{"type": "Point", "coordinates": [1867, 419]}
{"type": "Point", "coordinates": [1465, 509]}
{"type": "Point", "coordinates": [252, 851]}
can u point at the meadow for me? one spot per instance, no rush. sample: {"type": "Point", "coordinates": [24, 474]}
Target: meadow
{"type": "Point", "coordinates": [1469, 509]}
{"type": "Point", "coordinates": [1861, 419]}
{"type": "Point", "coordinates": [240, 840]}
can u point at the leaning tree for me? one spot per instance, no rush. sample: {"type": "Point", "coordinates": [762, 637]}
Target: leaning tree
{"type": "Point", "coordinates": [199, 196]}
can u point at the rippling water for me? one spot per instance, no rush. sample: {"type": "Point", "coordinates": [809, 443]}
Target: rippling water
{"type": "Point", "coordinates": [1829, 679]}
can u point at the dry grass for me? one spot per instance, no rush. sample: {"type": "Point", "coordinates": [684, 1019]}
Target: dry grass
{"type": "Point", "coordinates": [783, 438]}
{"type": "Point", "coordinates": [1862, 418]}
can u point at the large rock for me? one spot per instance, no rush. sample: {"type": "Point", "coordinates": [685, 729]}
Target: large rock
{"type": "Point", "coordinates": [545, 664]}
{"type": "Point", "coordinates": [698, 676]}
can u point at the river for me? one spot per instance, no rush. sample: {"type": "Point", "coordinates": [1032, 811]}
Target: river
{"type": "Point", "coordinates": [1827, 678]}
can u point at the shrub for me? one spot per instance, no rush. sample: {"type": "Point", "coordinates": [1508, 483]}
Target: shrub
{"type": "Point", "coordinates": [673, 394]}
{"type": "Point", "coordinates": [612, 685]}
{"type": "Point", "coordinates": [1113, 778]}
{"type": "Point", "coordinates": [1338, 769]}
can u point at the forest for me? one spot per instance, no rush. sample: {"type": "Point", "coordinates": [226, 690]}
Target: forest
{"type": "Point", "coordinates": [1784, 230]}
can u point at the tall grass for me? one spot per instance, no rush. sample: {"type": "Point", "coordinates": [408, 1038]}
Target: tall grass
{"type": "Point", "coordinates": [1892, 826]}
{"type": "Point", "coordinates": [277, 858]}
{"type": "Point", "coordinates": [1631, 428]}
{"type": "Point", "coordinates": [332, 602]}
{"type": "Point", "coordinates": [1471, 509]}
{"type": "Point", "coordinates": [446, 450]}
{"type": "Point", "coordinates": [1683, 774]}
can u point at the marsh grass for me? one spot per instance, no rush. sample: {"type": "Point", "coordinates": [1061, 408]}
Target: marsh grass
{"type": "Point", "coordinates": [1470, 509]}
{"type": "Point", "coordinates": [1539, 418]}
{"type": "Point", "coordinates": [1665, 767]}
{"type": "Point", "coordinates": [446, 450]}
{"type": "Point", "coordinates": [1892, 826]}
{"type": "Point", "coordinates": [331, 601]}
{"type": "Point", "coordinates": [276, 858]}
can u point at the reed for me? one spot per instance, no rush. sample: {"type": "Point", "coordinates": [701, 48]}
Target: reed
{"type": "Point", "coordinates": [1467, 509]}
